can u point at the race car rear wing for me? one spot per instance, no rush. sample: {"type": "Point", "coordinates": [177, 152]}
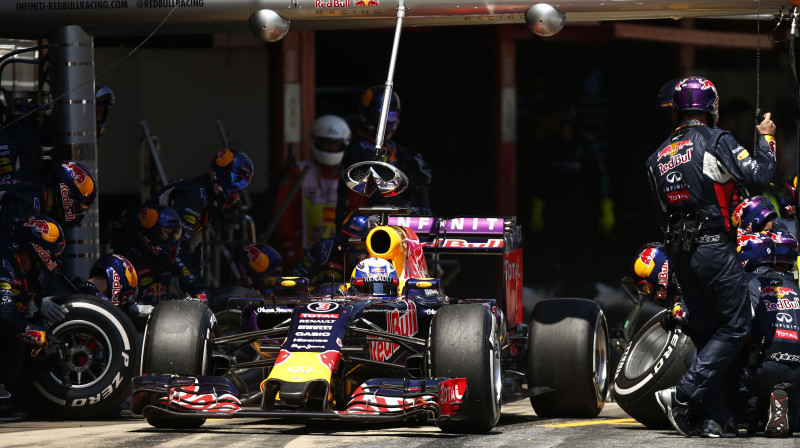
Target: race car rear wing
{"type": "Point", "coordinates": [476, 235]}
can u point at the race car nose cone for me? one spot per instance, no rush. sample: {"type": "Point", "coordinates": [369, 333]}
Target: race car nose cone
{"type": "Point", "coordinates": [544, 20]}
{"type": "Point", "coordinates": [268, 25]}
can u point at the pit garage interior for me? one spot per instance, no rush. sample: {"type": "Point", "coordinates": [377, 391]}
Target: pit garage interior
{"type": "Point", "coordinates": [477, 102]}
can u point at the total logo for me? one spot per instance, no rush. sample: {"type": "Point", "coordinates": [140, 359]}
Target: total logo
{"type": "Point", "coordinates": [300, 369]}
{"type": "Point", "coordinates": [786, 334]}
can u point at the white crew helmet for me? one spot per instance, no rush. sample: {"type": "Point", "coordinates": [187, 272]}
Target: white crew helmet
{"type": "Point", "coordinates": [329, 127]}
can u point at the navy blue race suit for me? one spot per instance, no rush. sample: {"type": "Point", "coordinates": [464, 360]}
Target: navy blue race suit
{"type": "Point", "coordinates": [156, 275]}
{"type": "Point", "coordinates": [18, 201]}
{"type": "Point", "coordinates": [9, 159]}
{"type": "Point", "coordinates": [18, 291]}
{"type": "Point", "coordinates": [693, 175]}
{"type": "Point", "coordinates": [362, 149]}
{"type": "Point", "coordinates": [775, 346]}
{"type": "Point", "coordinates": [130, 308]}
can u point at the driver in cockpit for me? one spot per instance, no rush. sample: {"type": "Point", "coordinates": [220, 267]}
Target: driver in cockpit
{"type": "Point", "coordinates": [374, 277]}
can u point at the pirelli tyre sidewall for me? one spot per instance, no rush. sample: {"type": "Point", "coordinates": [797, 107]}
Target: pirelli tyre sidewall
{"type": "Point", "coordinates": [656, 359]}
{"type": "Point", "coordinates": [102, 346]}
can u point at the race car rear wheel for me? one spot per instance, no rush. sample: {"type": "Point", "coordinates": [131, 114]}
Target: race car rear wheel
{"type": "Point", "coordinates": [465, 343]}
{"type": "Point", "coordinates": [177, 341]}
{"type": "Point", "coordinates": [102, 348]}
{"type": "Point", "coordinates": [568, 361]}
{"type": "Point", "coordinates": [656, 359]}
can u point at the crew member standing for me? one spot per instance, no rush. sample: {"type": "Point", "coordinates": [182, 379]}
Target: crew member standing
{"type": "Point", "coordinates": [693, 175]}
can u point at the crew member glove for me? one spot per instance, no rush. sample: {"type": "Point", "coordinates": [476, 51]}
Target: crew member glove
{"type": "Point", "coordinates": [143, 311]}
{"type": "Point", "coordinates": [537, 215]}
{"type": "Point", "coordinates": [607, 220]}
{"type": "Point", "coordinates": [51, 311]}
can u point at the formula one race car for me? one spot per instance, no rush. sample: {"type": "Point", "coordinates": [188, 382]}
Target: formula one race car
{"type": "Point", "coordinates": [407, 352]}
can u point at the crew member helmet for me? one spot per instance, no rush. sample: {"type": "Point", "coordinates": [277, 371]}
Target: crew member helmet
{"type": "Point", "coordinates": [756, 249]}
{"type": "Point", "coordinates": [76, 189]}
{"type": "Point", "coordinates": [330, 135]}
{"type": "Point", "coordinates": [160, 230]}
{"type": "Point", "coordinates": [261, 266]}
{"type": "Point", "coordinates": [231, 172]}
{"type": "Point", "coordinates": [43, 238]}
{"type": "Point", "coordinates": [370, 107]}
{"type": "Point", "coordinates": [652, 271]}
{"type": "Point", "coordinates": [118, 271]}
{"type": "Point", "coordinates": [666, 105]}
{"type": "Point", "coordinates": [785, 250]}
{"type": "Point", "coordinates": [753, 214]}
{"type": "Point", "coordinates": [699, 94]}
{"type": "Point", "coordinates": [375, 277]}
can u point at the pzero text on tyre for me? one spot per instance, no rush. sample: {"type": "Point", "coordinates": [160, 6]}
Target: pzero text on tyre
{"type": "Point", "coordinates": [655, 360]}
{"type": "Point", "coordinates": [568, 367]}
{"type": "Point", "coordinates": [464, 343]}
{"type": "Point", "coordinates": [102, 354]}
{"type": "Point", "coordinates": [178, 341]}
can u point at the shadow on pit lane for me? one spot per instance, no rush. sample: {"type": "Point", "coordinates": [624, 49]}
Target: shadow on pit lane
{"type": "Point", "coordinates": [345, 429]}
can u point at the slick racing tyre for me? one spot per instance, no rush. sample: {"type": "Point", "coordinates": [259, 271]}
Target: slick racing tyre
{"type": "Point", "coordinates": [102, 349]}
{"type": "Point", "coordinates": [568, 360]}
{"type": "Point", "coordinates": [177, 341]}
{"type": "Point", "coordinates": [655, 359]}
{"type": "Point", "coordinates": [465, 343]}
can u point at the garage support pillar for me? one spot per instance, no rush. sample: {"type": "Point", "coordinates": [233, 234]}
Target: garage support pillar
{"type": "Point", "coordinates": [72, 84]}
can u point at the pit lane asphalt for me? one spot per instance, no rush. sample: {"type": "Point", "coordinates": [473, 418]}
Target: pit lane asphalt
{"type": "Point", "coordinates": [519, 427]}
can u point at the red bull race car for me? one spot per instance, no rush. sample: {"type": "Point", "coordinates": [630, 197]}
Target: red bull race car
{"type": "Point", "coordinates": [394, 355]}
{"type": "Point", "coordinates": [390, 345]}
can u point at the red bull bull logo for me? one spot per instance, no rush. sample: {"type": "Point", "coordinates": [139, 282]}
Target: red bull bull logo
{"type": "Point", "coordinates": [673, 148]}
{"type": "Point", "coordinates": [46, 229]}
{"type": "Point", "coordinates": [707, 84]}
{"type": "Point", "coordinates": [257, 259]}
{"type": "Point", "coordinates": [367, 3]}
{"type": "Point", "coordinates": [675, 161]}
{"type": "Point", "coordinates": [82, 179]}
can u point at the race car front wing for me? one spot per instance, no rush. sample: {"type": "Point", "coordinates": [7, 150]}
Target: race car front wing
{"type": "Point", "coordinates": [376, 400]}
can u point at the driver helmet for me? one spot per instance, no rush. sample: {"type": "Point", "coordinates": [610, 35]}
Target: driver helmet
{"type": "Point", "coordinates": [375, 277]}
{"type": "Point", "coordinates": [231, 172]}
{"type": "Point", "coordinates": [123, 283]}
{"type": "Point", "coordinates": [103, 100]}
{"type": "Point", "coordinates": [753, 214]}
{"type": "Point", "coordinates": [43, 238]}
{"type": "Point", "coordinates": [786, 252]}
{"type": "Point", "coordinates": [755, 249]}
{"type": "Point", "coordinates": [369, 110]}
{"type": "Point", "coordinates": [652, 271]}
{"type": "Point", "coordinates": [75, 187]}
{"type": "Point", "coordinates": [160, 230]}
{"type": "Point", "coordinates": [260, 266]}
{"type": "Point", "coordinates": [699, 94]}
{"type": "Point", "coordinates": [330, 135]}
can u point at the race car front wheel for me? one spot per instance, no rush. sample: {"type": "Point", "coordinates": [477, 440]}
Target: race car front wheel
{"type": "Point", "coordinates": [102, 348]}
{"type": "Point", "coordinates": [465, 343]}
{"type": "Point", "coordinates": [177, 341]}
{"type": "Point", "coordinates": [568, 364]}
{"type": "Point", "coordinates": [655, 359]}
